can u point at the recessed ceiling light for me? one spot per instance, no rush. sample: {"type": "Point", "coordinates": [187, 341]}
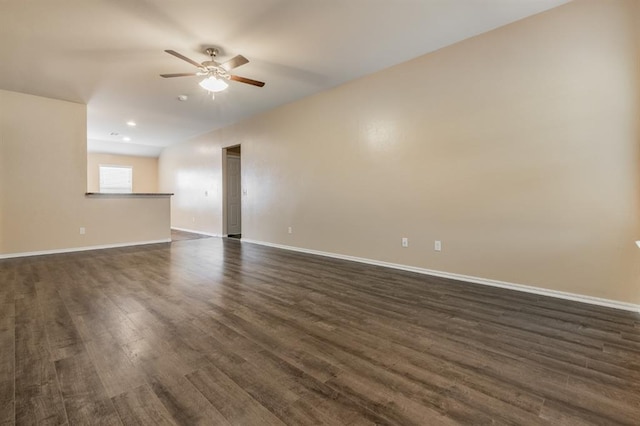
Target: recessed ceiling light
{"type": "Point", "coordinates": [131, 123]}
{"type": "Point", "coordinates": [126, 138]}
{"type": "Point", "coordinates": [183, 98]}
{"type": "Point", "coordinates": [638, 243]}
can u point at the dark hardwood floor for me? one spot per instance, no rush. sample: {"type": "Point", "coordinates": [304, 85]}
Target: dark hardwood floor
{"type": "Point", "coordinates": [177, 235]}
{"type": "Point", "coordinates": [215, 331]}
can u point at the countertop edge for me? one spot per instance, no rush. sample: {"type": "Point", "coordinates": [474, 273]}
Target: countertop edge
{"type": "Point", "coordinates": [128, 194]}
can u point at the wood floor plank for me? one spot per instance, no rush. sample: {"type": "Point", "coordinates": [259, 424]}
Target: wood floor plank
{"type": "Point", "coordinates": [352, 356]}
{"type": "Point", "coordinates": [558, 413]}
{"type": "Point", "coordinates": [118, 326]}
{"type": "Point", "coordinates": [269, 385]}
{"type": "Point", "coordinates": [84, 396]}
{"type": "Point", "coordinates": [37, 393]}
{"type": "Point", "coordinates": [236, 405]}
{"type": "Point", "coordinates": [288, 348]}
{"type": "Point", "coordinates": [7, 402]}
{"type": "Point", "coordinates": [215, 331]}
{"type": "Point", "coordinates": [114, 367]}
{"type": "Point", "coordinates": [8, 278]}
{"type": "Point", "coordinates": [185, 404]}
{"type": "Point", "coordinates": [551, 387]}
{"type": "Point", "coordinates": [466, 331]}
{"type": "Point", "coordinates": [167, 341]}
{"type": "Point", "coordinates": [390, 405]}
{"type": "Point", "coordinates": [7, 375]}
{"type": "Point", "coordinates": [232, 350]}
{"type": "Point", "coordinates": [7, 355]}
{"type": "Point", "coordinates": [140, 406]}
{"type": "Point", "coordinates": [238, 355]}
{"type": "Point", "coordinates": [152, 358]}
{"type": "Point", "coordinates": [7, 360]}
{"type": "Point", "coordinates": [165, 372]}
{"type": "Point", "coordinates": [7, 315]}
{"type": "Point", "coordinates": [64, 340]}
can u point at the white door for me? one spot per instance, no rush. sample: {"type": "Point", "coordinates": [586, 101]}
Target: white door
{"type": "Point", "coordinates": [234, 195]}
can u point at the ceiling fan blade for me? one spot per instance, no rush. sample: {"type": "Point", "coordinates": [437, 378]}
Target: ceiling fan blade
{"type": "Point", "coordinates": [179, 74]}
{"type": "Point", "coordinates": [184, 58]}
{"type": "Point", "coordinates": [234, 62]}
{"type": "Point", "coordinates": [246, 80]}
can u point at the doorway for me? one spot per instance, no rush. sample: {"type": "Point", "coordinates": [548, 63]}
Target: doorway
{"type": "Point", "coordinates": [232, 183]}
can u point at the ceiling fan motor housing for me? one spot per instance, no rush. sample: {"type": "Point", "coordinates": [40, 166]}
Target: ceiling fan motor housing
{"type": "Point", "coordinates": [212, 51]}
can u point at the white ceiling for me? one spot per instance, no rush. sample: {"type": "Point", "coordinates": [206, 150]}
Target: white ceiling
{"type": "Point", "coordinates": [108, 54]}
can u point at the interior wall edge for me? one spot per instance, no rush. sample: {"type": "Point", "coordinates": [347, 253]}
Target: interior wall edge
{"type": "Point", "coordinates": [625, 306]}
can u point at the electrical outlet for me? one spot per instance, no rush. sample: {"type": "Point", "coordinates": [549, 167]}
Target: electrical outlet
{"type": "Point", "coordinates": [437, 246]}
{"type": "Point", "coordinates": [405, 242]}
{"type": "Point", "coordinates": [82, 230]}
{"type": "Point", "coordinates": [290, 230]}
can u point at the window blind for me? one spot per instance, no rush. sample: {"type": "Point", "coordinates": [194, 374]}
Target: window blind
{"type": "Point", "coordinates": [116, 179]}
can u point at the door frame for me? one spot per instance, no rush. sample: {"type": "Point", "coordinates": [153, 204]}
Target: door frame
{"type": "Point", "coordinates": [225, 154]}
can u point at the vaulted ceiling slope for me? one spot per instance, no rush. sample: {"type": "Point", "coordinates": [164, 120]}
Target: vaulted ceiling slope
{"type": "Point", "coordinates": [109, 54]}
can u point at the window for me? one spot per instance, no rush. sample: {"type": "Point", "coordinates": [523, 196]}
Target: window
{"type": "Point", "coordinates": [116, 179]}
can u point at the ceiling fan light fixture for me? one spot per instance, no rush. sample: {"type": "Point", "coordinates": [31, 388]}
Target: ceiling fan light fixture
{"type": "Point", "coordinates": [213, 84]}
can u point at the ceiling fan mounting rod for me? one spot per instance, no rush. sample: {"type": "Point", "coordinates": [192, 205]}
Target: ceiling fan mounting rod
{"type": "Point", "coordinates": [212, 51]}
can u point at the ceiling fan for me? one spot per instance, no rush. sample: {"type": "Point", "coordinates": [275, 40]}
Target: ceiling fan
{"type": "Point", "coordinates": [215, 73]}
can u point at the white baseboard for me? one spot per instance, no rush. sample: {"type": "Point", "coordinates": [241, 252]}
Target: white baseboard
{"type": "Point", "coordinates": [193, 231]}
{"type": "Point", "coordinates": [475, 280]}
{"type": "Point", "coordinates": [85, 248]}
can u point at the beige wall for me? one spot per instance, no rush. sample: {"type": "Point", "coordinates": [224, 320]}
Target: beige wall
{"type": "Point", "coordinates": [43, 170]}
{"type": "Point", "coordinates": [518, 149]}
{"type": "Point", "coordinates": [144, 169]}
